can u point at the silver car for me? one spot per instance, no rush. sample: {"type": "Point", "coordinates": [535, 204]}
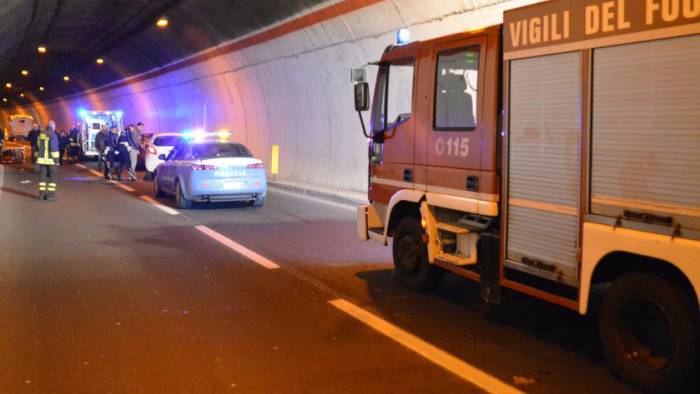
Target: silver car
{"type": "Point", "coordinates": [211, 171]}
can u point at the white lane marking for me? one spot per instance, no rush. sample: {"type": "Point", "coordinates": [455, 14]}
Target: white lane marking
{"type": "Point", "coordinates": [238, 248]}
{"type": "Point", "coordinates": [160, 206]}
{"type": "Point", "coordinates": [432, 353]}
{"type": "Point", "coordinates": [123, 186]}
{"type": "Point", "coordinates": [84, 167]}
{"type": "Point", "coordinates": [96, 173]}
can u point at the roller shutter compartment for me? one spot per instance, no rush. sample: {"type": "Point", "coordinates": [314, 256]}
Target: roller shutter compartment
{"type": "Point", "coordinates": [543, 166]}
{"type": "Point", "coordinates": [646, 130]}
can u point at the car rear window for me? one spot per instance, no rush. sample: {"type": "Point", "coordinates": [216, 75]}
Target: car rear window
{"type": "Point", "coordinates": [167, 140]}
{"type": "Point", "coordinates": [217, 150]}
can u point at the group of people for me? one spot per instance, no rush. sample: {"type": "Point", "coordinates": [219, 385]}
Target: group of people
{"type": "Point", "coordinates": [119, 150]}
{"type": "Point", "coordinates": [68, 143]}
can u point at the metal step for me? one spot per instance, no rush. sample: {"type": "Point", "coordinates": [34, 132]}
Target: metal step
{"type": "Point", "coordinates": [454, 259]}
{"type": "Point", "coordinates": [453, 228]}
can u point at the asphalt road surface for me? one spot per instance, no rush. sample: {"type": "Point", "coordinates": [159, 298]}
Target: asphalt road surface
{"type": "Point", "coordinates": [108, 291]}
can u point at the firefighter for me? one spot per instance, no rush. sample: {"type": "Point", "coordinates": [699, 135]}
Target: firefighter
{"type": "Point", "coordinates": [47, 157]}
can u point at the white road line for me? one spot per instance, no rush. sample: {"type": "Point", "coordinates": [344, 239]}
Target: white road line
{"type": "Point", "coordinates": [123, 186]}
{"type": "Point", "coordinates": [160, 206]}
{"type": "Point", "coordinates": [84, 167]}
{"type": "Point", "coordinates": [238, 248]}
{"type": "Point", "coordinates": [432, 353]}
{"type": "Point", "coordinates": [96, 173]}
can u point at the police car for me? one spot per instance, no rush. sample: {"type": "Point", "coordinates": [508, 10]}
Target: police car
{"type": "Point", "coordinates": [211, 168]}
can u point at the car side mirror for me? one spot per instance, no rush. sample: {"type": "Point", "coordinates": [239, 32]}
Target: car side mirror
{"type": "Point", "coordinates": [162, 156]}
{"type": "Point", "coordinates": [361, 96]}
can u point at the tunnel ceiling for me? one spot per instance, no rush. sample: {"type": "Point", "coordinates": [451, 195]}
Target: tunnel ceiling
{"type": "Point", "coordinates": [122, 32]}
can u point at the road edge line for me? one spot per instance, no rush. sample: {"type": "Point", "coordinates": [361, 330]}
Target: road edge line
{"type": "Point", "coordinates": [238, 248]}
{"type": "Point", "coordinates": [428, 351]}
{"type": "Point", "coordinates": [158, 205]}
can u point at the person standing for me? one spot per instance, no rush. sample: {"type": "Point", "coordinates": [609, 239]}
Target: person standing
{"type": "Point", "coordinates": [134, 138]}
{"type": "Point", "coordinates": [62, 144]}
{"type": "Point", "coordinates": [111, 151]}
{"type": "Point", "coordinates": [32, 138]}
{"type": "Point", "coordinates": [101, 145]}
{"type": "Point", "coordinates": [47, 156]}
{"type": "Point", "coordinates": [124, 158]}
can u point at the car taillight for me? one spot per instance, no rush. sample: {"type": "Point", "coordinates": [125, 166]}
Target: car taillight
{"type": "Point", "coordinates": [255, 166]}
{"type": "Point", "coordinates": [203, 167]}
{"type": "Point", "coordinates": [152, 150]}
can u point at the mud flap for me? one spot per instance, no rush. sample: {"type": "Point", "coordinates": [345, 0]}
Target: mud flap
{"type": "Point", "coordinates": [488, 252]}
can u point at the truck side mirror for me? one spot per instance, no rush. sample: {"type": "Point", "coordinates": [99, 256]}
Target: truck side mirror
{"type": "Point", "coordinates": [361, 96]}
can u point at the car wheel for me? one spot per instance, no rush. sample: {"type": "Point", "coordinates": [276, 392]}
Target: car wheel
{"type": "Point", "coordinates": [410, 253]}
{"type": "Point", "coordinates": [180, 199]}
{"type": "Point", "coordinates": [258, 202]}
{"type": "Point", "coordinates": [648, 330]}
{"type": "Point", "coordinates": [156, 187]}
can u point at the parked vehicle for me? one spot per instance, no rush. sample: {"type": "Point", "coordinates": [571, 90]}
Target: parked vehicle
{"type": "Point", "coordinates": [550, 155]}
{"type": "Point", "coordinates": [160, 144]}
{"type": "Point", "coordinates": [90, 123]}
{"type": "Point", "coordinates": [211, 170]}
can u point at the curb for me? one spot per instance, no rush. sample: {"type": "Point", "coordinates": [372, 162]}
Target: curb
{"type": "Point", "coordinates": [328, 195]}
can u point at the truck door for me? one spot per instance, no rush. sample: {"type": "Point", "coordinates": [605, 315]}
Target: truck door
{"type": "Point", "coordinates": [455, 122]}
{"type": "Point", "coordinates": [392, 161]}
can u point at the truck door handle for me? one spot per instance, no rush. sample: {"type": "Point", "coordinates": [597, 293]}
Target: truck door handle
{"type": "Point", "coordinates": [407, 175]}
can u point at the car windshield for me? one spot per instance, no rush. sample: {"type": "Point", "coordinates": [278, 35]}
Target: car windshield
{"type": "Point", "coordinates": [167, 140]}
{"type": "Point", "coordinates": [219, 150]}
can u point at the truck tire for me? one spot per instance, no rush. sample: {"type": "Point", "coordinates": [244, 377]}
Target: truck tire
{"type": "Point", "coordinates": [648, 330]}
{"type": "Point", "coordinates": [410, 254]}
{"type": "Point", "coordinates": [180, 200]}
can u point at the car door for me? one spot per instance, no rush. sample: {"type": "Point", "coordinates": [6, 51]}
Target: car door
{"type": "Point", "coordinates": [166, 172]}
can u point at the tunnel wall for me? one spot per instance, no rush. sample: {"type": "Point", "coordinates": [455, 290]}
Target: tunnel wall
{"type": "Point", "coordinates": [293, 91]}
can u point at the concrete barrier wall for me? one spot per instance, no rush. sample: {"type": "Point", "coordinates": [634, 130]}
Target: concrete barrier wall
{"type": "Point", "coordinates": [293, 91]}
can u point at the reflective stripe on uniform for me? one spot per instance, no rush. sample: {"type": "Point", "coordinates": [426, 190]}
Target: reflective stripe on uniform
{"type": "Point", "coordinates": [42, 186]}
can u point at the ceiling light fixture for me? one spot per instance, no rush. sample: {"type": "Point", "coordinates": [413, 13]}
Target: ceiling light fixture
{"type": "Point", "coordinates": [100, 60]}
{"type": "Point", "coordinates": [25, 72]}
{"type": "Point", "coordinates": [162, 22]}
{"type": "Point", "coordinates": [4, 99]}
{"type": "Point", "coordinates": [21, 95]}
{"type": "Point", "coordinates": [66, 78]}
{"type": "Point", "coordinates": [41, 88]}
{"type": "Point", "coordinates": [8, 85]}
{"type": "Point", "coordinates": [41, 49]}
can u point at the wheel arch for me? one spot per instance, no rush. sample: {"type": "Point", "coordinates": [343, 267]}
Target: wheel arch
{"type": "Point", "coordinates": [403, 203]}
{"type": "Point", "coordinates": [618, 263]}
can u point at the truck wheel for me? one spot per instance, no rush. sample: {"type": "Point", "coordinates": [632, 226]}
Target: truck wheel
{"type": "Point", "coordinates": [411, 257]}
{"type": "Point", "coordinates": [648, 330]}
{"type": "Point", "coordinates": [180, 200]}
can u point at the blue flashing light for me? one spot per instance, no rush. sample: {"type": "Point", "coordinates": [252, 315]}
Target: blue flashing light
{"type": "Point", "coordinates": [82, 112]}
{"type": "Point", "coordinates": [119, 114]}
{"type": "Point", "coordinates": [403, 36]}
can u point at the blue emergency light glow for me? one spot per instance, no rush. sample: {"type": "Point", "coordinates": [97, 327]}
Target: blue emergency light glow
{"type": "Point", "coordinates": [82, 112]}
{"type": "Point", "coordinates": [403, 36]}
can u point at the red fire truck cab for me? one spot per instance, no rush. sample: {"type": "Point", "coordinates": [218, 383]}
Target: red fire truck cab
{"type": "Point", "coordinates": [553, 153]}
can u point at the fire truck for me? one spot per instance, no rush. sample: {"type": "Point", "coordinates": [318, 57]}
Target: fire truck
{"type": "Point", "coordinates": [556, 155]}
